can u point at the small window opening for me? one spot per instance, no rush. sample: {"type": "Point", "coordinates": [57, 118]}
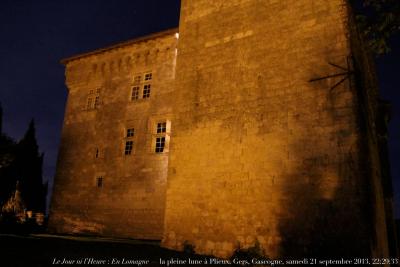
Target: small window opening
{"type": "Point", "coordinates": [160, 144]}
{"type": "Point", "coordinates": [161, 127]}
{"type": "Point", "coordinates": [99, 182]}
{"type": "Point", "coordinates": [146, 90]}
{"type": "Point", "coordinates": [128, 147]}
{"type": "Point", "coordinates": [148, 76]}
{"type": "Point", "coordinates": [130, 132]}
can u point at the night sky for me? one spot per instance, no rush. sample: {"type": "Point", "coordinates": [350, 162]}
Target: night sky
{"type": "Point", "coordinates": [36, 35]}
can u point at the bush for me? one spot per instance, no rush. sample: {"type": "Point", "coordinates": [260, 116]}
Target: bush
{"type": "Point", "coordinates": [254, 252]}
{"type": "Point", "coordinates": [188, 248]}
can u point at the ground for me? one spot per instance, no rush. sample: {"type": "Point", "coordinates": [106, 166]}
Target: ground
{"type": "Point", "coordinates": [52, 250]}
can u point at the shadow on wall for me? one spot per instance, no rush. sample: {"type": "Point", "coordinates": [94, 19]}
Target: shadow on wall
{"type": "Point", "coordinates": [325, 195]}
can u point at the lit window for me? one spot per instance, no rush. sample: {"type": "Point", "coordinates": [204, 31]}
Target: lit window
{"type": "Point", "coordinates": [99, 181]}
{"type": "Point", "coordinates": [161, 136]}
{"type": "Point", "coordinates": [128, 147]}
{"type": "Point", "coordinates": [146, 90]}
{"type": "Point", "coordinates": [161, 127]}
{"type": "Point", "coordinates": [160, 144]}
{"type": "Point", "coordinates": [148, 76]}
{"type": "Point", "coordinates": [128, 141]}
{"type": "Point", "coordinates": [135, 93]}
{"type": "Point", "coordinates": [130, 132]}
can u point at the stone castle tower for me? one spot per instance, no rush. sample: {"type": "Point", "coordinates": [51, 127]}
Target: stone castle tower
{"type": "Point", "coordinates": [256, 124]}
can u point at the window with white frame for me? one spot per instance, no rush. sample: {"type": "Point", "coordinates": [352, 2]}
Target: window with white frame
{"type": "Point", "coordinates": [130, 132]}
{"type": "Point", "coordinates": [141, 87]}
{"type": "Point", "coordinates": [161, 127]}
{"type": "Point", "coordinates": [160, 144]}
{"type": "Point", "coordinates": [146, 90]}
{"type": "Point", "coordinates": [135, 93]}
{"type": "Point", "coordinates": [161, 136]}
{"type": "Point", "coordinates": [148, 76]}
{"type": "Point", "coordinates": [93, 99]}
{"type": "Point", "coordinates": [128, 145]}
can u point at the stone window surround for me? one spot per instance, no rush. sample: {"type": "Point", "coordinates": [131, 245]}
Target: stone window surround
{"type": "Point", "coordinates": [129, 135]}
{"type": "Point", "coordinates": [143, 80]}
{"type": "Point", "coordinates": [128, 147]}
{"type": "Point", "coordinates": [93, 99]}
{"type": "Point", "coordinates": [146, 91]}
{"type": "Point", "coordinates": [160, 128]}
{"type": "Point", "coordinates": [135, 93]}
{"type": "Point", "coordinates": [160, 144]}
{"type": "Point", "coordinates": [130, 132]}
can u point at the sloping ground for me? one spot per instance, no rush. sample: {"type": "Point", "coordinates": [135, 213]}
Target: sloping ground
{"type": "Point", "coordinates": [50, 250]}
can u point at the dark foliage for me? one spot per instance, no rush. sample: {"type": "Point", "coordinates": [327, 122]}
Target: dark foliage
{"type": "Point", "coordinates": [21, 163]}
{"type": "Point", "coordinates": [378, 21]}
{"type": "Point", "coordinates": [188, 248]}
{"type": "Point", "coordinates": [29, 171]}
{"type": "Point", "coordinates": [248, 254]}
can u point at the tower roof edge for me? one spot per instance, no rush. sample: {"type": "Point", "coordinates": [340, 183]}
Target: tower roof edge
{"type": "Point", "coordinates": [65, 61]}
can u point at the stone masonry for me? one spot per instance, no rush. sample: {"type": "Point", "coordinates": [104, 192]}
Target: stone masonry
{"type": "Point", "coordinates": [258, 153]}
{"type": "Point", "coordinates": [129, 200]}
{"type": "Point", "coordinates": [253, 153]}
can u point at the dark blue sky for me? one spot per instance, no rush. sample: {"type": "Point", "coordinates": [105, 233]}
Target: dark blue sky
{"type": "Point", "coordinates": [36, 35]}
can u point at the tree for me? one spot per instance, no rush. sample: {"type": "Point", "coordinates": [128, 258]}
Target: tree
{"type": "Point", "coordinates": [29, 172]}
{"type": "Point", "coordinates": [378, 21]}
{"type": "Point", "coordinates": [7, 165]}
{"type": "Point", "coordinates": [21, 163]}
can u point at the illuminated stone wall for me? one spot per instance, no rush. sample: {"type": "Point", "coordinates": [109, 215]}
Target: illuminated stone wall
{"type": "Point", "coordinates": [131, 200]}
{"type": "Point", "coordinates": [258, 153]}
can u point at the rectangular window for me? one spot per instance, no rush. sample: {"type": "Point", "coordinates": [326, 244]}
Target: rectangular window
{"type": "Point", "coordinates": [161, 127]}
{"type": "Point", "coordinates": [93, 99]}
{"type": "Point", "coordinates": [161, 136]}
{"type": "Point", "coordinates": [135, 93]}
{"type": "Point", "coordinates": [128, 147]}
{"type": "Point", "coordinates": [146, 90]}
{"type": "Point", "coordinates": [130, 132]}
{"type": "Point", "coordinates": [99, 181]}
{"type": "Point", "coordinates": [141, 87]}
{"type": "Point", "coordinates": [160, 144]}
{"type": "Point", "coordinates": [148, 76]}
{"type": "Point", "coordinates": [137, 79]}
{"type": "Point", "coordinates": [89, 103]}
{"type": "Point", "coordinates": [96, 101]}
